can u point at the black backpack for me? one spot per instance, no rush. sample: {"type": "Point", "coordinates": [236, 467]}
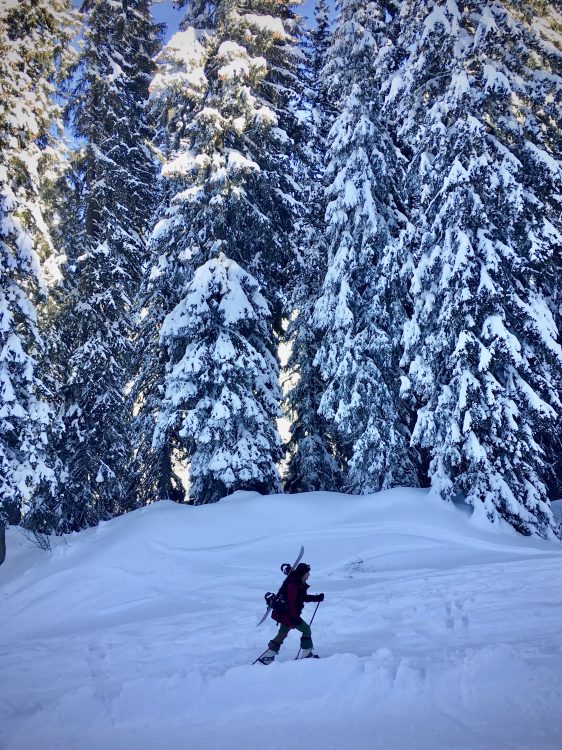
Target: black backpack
{"type": "Point", "coordinates": [278, 602]}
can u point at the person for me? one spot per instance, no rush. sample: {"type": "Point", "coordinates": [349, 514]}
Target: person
{"type": "Point", "coordinates": [296, 588]}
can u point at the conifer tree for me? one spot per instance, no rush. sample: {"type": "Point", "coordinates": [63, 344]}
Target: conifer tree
{"type": "Point", "coordinates": [227, 381]}
{"type": "Point", "coordinates": [106, 253]}
{"type": "Point", "coordinates": [34, 57]}
{"type": "Point", "coordinates": [227, 95]}
{"type": "Point", "coordinates": [318, 45]}
{"type": "Point", "coordinates": [178, 88]}
{"type": "Point", "coordinates": [312, 464]}
{"type": "Point", "coordinates": [482, 346]}
{"type": "Point", "coordinates": [543, 35]}
{"type": "Point", "coordinates": [360, 313]}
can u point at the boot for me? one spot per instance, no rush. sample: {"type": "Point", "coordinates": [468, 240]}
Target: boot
{"type": "Point", "coordinates": [268, 657]}
{"type": "Point", "coordinates": [307, 654]}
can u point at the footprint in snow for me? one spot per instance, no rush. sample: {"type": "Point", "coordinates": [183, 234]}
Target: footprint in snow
{"type": "Point", "coordinates": [455, 614]}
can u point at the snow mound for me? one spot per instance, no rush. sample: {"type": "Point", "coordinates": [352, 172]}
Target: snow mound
{"type": "Point", "coordinates": [435, 632]}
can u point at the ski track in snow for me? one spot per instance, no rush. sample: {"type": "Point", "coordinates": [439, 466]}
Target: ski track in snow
{"type": "Point", "coordinates": [140, 633]}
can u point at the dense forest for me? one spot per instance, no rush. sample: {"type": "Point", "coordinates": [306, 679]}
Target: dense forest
{"type": "Point", "coordinates": [380, 193]}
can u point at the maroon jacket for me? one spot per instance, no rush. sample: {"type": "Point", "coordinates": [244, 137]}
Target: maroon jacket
{"type": "Point", "coordinates": [296, 595]}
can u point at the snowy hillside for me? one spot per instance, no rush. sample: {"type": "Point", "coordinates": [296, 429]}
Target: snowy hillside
{"type": "Point", "coordinates": [437, 631]}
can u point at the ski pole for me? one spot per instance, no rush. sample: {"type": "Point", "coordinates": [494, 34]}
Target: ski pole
{"type": "Point", "coordinates": [310, 623]}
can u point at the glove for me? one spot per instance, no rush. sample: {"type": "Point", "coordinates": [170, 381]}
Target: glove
{"type": "Point", "coordinates": [319, 598]}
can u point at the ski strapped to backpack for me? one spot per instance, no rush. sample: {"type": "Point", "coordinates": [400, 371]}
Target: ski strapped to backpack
{"type": "Point", "coordinates": [278, 601]}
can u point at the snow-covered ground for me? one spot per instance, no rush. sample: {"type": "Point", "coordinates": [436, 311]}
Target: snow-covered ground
{"type": "Point", "coordinates": [437, 631]}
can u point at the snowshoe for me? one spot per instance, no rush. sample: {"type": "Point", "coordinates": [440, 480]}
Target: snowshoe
{"type": "Point", "coordinates": [307, 654]}
{"type": "Point", "coordinates": [268, 657]}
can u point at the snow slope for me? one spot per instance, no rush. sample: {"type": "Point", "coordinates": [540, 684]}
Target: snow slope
{"type": "Point", "coordinates": [438, 631]}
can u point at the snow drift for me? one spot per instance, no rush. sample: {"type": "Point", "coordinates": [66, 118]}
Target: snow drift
{"type": "Point", "coordinates": [437, 631]}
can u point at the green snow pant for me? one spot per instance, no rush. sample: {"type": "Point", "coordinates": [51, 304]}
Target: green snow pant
{"type": "Point", "coordinates": [306, 639]}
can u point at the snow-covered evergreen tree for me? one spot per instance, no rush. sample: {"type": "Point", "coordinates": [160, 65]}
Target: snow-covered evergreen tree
{"type": "Point", "coordinates": [177, 90]}
{"type": "Point", "coordinates": [312, 464]}
{"type": "Point", "coordinates": [482, 347]}
{"type": "Point", "coordinates": [34, 56]}
{"type": "Point", "coordinates": [226, 96]}
{"type": "Point", "coordinates": [322, 109]}
{"type": "Point", "coordinates": [360, 313]}
{"type": "Point", "coordinates": [105, 257]}
{"type": "Point", "coordinates": [543, 35]}
{"type": "Point", "coordinates": [226, 383]}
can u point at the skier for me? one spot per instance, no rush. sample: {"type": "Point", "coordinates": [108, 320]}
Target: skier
{"type": "Point", "coordinates": [295, 593]}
